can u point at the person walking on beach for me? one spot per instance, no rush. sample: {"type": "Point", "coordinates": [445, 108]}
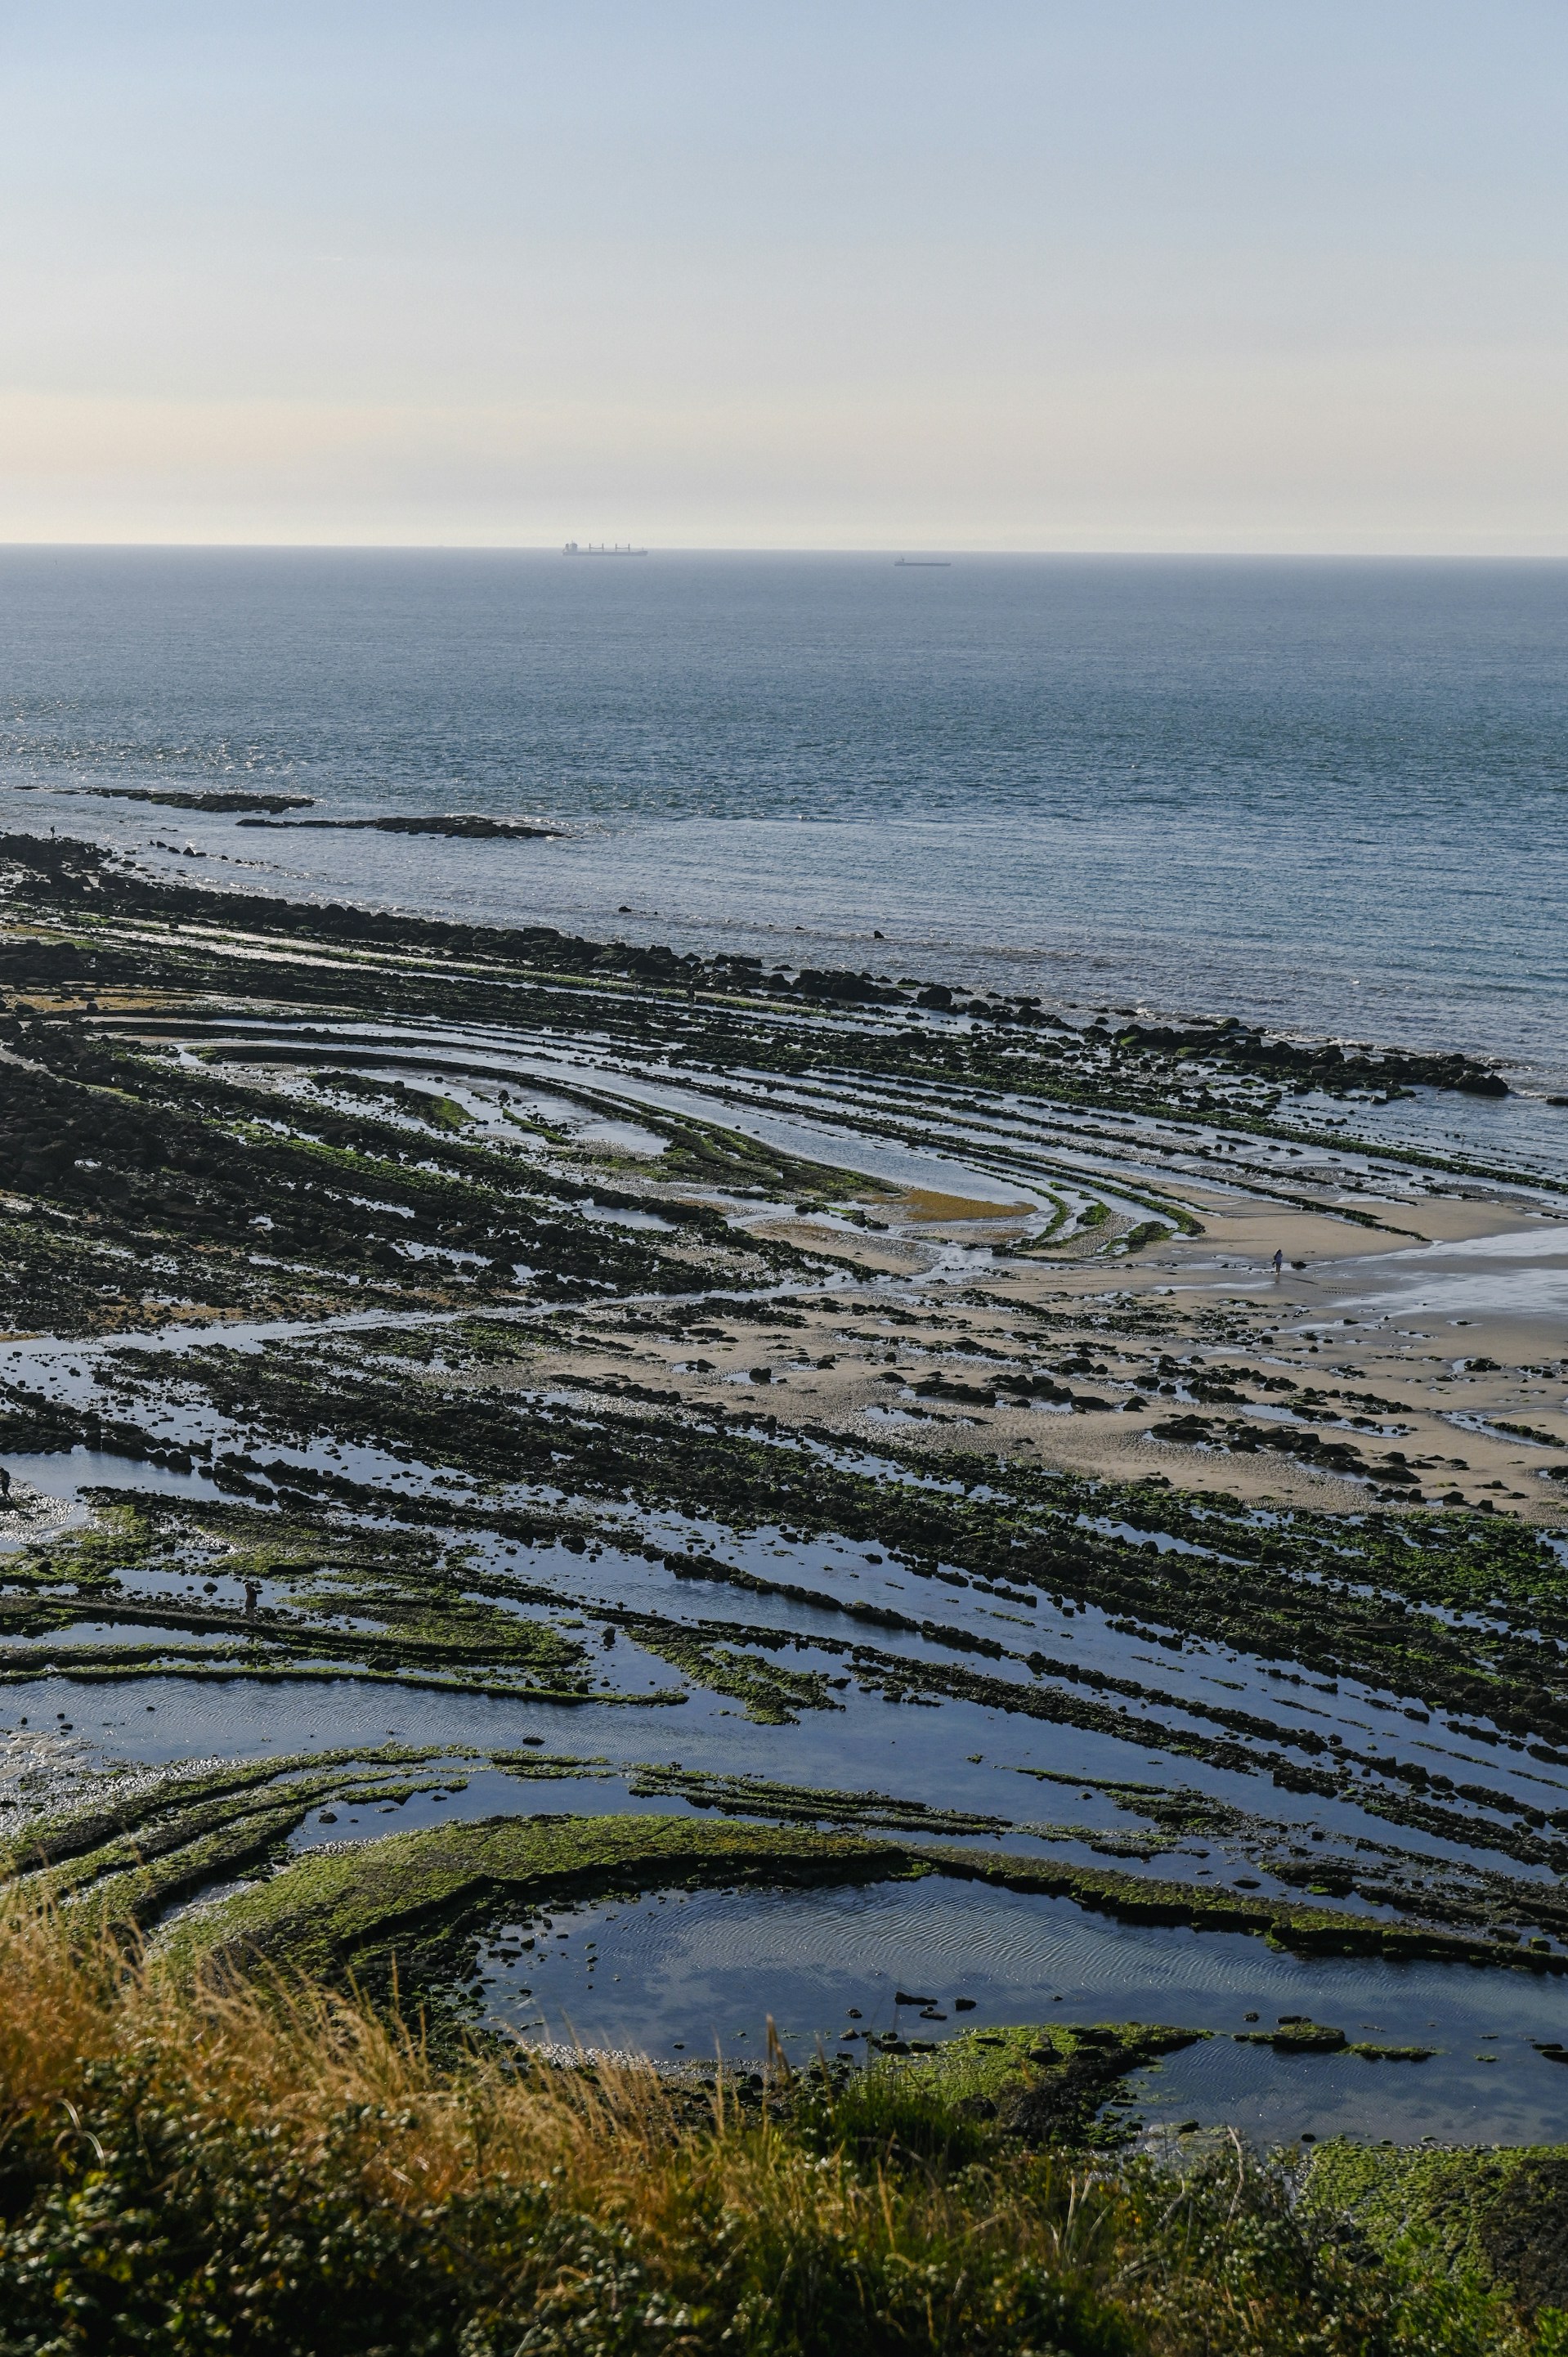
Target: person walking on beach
{"type": "Point", "coordinates": [1279, 1262]}
{"type": "Point", "coordinates": [5, 1487]}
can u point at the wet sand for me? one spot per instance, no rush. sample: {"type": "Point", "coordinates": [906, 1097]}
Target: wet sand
{"type": "Point", "coordinates": [1457, 1327]}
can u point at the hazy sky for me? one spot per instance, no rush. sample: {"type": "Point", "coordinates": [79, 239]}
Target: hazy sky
{"type": "Point", "coordinates": [1076, 273]}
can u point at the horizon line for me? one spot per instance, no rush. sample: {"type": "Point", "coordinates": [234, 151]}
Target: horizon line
{"type": "Point", "coordinates": [889, 551]}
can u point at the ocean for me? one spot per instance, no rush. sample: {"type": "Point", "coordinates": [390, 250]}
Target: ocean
{"type": "Point", "coordinates": [1327, 795]}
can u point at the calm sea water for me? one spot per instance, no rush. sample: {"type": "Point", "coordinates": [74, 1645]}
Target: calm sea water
{"type": "Point", "coordinates": [1330, 795]}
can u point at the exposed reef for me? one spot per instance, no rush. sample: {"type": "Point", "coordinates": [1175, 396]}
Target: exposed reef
{"type": "Point", "coordinates": [459, 825]}
{"type": "Point", "coordinates": [597, 1336]}
{"type": "Point", "coordinates": [206, 798]}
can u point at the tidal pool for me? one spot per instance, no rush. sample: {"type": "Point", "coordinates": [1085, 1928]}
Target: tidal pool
{"type": "Point", "coordinates": [691, 1974]}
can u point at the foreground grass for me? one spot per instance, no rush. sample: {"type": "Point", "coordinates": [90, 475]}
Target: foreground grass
{"type": "Point", "coordinates": [202, 2167]}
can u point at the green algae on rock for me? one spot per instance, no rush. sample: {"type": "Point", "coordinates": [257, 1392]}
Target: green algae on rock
{"type": "Point", "coordinates": [1046, 2083]}
{"type": "Point", "coordinates": [357, 1905]}
{"type": "Point", "coordinates": [350, 1907]}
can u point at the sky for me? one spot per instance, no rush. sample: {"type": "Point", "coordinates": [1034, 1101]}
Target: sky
{"type": "Point", "coordinates": [1125, 274]}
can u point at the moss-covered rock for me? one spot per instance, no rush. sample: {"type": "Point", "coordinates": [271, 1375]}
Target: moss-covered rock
{"type": "Point", "coordinates": [347, 1905]}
